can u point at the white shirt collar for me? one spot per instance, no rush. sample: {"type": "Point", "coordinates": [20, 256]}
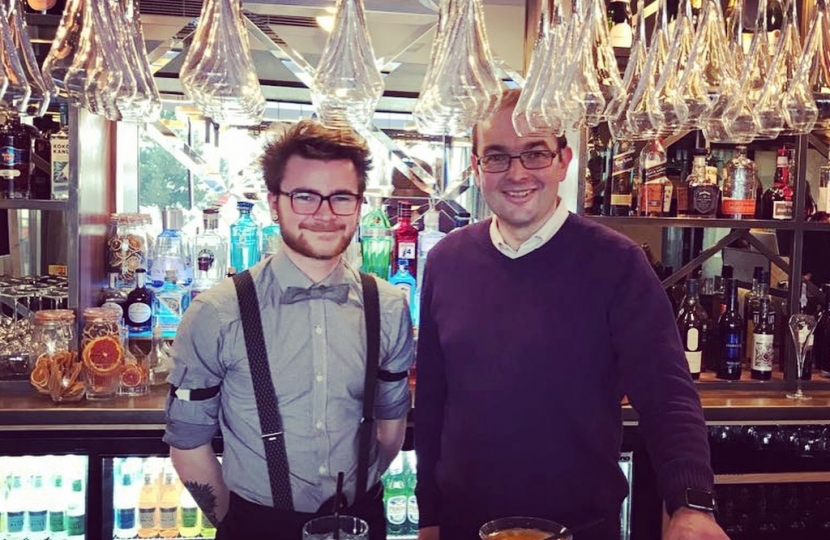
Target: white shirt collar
{"type": "Point", "coordinates": [537, 240]}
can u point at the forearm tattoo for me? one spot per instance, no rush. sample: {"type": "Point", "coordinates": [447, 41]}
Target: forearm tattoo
{"type": "Point", "coordinates": [205, 497]}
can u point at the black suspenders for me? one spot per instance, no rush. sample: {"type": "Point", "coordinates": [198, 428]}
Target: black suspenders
{"type": "Point", "coordinates": [266, 398]}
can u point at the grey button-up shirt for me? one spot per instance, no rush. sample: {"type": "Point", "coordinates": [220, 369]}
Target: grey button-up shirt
{"type": "Point", "coordinates": [317, 352]}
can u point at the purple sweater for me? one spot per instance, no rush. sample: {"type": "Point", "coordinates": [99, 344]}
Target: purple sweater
{"type": "Point", "coordinates": [521, 367]}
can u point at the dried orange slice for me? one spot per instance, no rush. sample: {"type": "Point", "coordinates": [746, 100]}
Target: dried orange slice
{"type": "Point", "coordinates": [40, 376]}
{"type": "Point", "coordinates": [104, 355]}
{"type": "Point", "coordinates": [132, 375]}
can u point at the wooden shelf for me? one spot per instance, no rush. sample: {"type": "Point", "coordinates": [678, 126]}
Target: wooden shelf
{"type": "Point", "coordinates": [33, 204]}
{"type": "Point", "coordinates": [693, 222]}
{"type": "Point", "coordinates": [709, 381]}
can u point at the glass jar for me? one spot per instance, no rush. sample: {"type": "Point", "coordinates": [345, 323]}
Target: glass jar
{"type": "Point", "coordinates": [127, 247]}
{"type": "Point", "coordinates": [102, 350]}
{"type": "Point", "coordinates": [58, 370]}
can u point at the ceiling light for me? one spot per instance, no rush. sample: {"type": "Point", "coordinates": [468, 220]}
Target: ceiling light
{"type": "Point", "coordinates": [326, 22]}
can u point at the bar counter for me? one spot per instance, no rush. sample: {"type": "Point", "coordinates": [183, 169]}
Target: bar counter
{"type": "Point", "coordinates": [21, 407]}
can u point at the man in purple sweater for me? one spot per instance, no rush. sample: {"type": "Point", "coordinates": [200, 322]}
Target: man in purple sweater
{"type": "Point", "coordinates": [533, 325]}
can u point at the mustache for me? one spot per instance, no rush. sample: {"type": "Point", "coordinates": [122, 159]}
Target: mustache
{"type": "Point", "coordinates": [320, 227]}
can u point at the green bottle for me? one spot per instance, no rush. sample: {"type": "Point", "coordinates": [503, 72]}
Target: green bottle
{"type": "Point", "coordinates": [376, 239]}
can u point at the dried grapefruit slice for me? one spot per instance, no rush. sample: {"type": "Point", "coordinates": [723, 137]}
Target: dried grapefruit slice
{"type": "Point", "coordinates": [40, 376]}
{"type": "Point", "coordinates": [104, 355]}
{"type": "Point", "coordinates": [132, 375]}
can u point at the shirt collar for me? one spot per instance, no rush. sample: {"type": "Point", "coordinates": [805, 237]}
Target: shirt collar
{"type": "Point", "coordinates": [537, 240]}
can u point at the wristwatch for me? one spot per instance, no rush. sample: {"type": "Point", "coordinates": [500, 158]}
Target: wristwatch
{"type": "Point", "coordinates": [700, 499]}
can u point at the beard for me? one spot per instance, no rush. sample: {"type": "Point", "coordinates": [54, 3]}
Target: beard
{"type": "Point", "coordinates": [323, 251]}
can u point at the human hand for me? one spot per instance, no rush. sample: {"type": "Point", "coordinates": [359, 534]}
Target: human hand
{"type": "Point", "coordinates": [688, 524]}
{"type": "Point", "coordinates": [429, 533]}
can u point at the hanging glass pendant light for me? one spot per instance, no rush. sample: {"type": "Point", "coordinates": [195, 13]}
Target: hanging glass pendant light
{"type": "Point", "coordinates": [617, 121]}
{"type": "Point", "coordinates": [17, 89]}
{"type": "Point", "coordinates": [218, 73]}
{"type": "Point", "coordinates": [348, 84]}
{"type": "Point", "coordinates": [41, 90]}
{"type": "Point", "coordinates": [66, 43]}
{"type": "Point", "coordinates": [460, 87]}
{"type": "Point", "coordinates": [665, 102]}
{"type": "Point", "coordinates": [538, 73]}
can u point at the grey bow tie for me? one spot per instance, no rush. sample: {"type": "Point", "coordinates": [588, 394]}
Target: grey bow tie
{"type": "Point", "coordinates": [336, 293]}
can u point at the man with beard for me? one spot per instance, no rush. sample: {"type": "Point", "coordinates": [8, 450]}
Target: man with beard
{"type": "Point", "coordinates": [280, 359]}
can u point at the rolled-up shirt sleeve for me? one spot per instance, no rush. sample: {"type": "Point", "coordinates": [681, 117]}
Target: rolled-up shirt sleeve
{"type": "Point", "coordinates": [393, 399]}
{"type": "Point", "coordinates": [196, 365]}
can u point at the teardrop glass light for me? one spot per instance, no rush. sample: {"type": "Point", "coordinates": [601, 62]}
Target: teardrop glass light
{"type": "Point", "coordinates": [666, 102]}
{"type": "Point", "coordinates": [65, 45]}
{"type": "Point", "coordinates": [617, 121]}
{"type": "Point", "coordinates": [461, 87]}
{"type": "Point", "coordinates": [42, 90]}
{"type": "Point", "coordinates": [347, 84]}
{"type": "Point", "coordinates": [820, 65]}
{"type": "Point", "coordinates": [218, 73]}
{"type": "Point", "coordinates": [146, 103]}
{"type": "Point", "coordinates": [562, 53]}
{"type": "Point", "coordinates": [17, 90]}
{"type": "Point", "coordinates": [710, 71]}
{"type": "Point", "coordinates": [639, 114]}
{"type": "Point", "coordinates": [538, 74]}
{"type": "Point", "coordinates": [771, 108]}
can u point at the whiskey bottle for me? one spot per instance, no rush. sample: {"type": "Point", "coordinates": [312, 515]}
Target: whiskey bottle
{"type": "Point", "coordinates": [777, 201]}
{"type": "Point", "coordinates": [703, 188]}
{"type": "Point", "coordinates": [622, 170]}
{"type": "Point", "coordinates": [740, 184]}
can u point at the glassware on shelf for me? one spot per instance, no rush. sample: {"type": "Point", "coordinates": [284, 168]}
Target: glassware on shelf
{"type": "Point", "coordinates": [665, 104]}
{"type": "Point", "coordinates": [528, 110]}
{"type": "Point", "coordinates": [218, 73]}
{"type": "Point", "coordinates": [770, 108]}
{"type": "Point", "coordinates": [802, 327]}
{"type": "Point", "coordinates": [142, 102]}
{"type": "Point", "coordinates": [102, 350]}
{"type": "Point", "coordinates": [66, 43]}
{"type": "Point", "coordinates": [460, 86]}
{"type": "Point", "coordinates": [347, 84]}
{"type": "Point", "coordinates": [807, 101]}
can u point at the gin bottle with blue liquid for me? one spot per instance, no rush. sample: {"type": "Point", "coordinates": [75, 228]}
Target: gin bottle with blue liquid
{"type": "Point", "coordinates": [406, 282]}
{"type": "Point", "coordinates": [245, 240]}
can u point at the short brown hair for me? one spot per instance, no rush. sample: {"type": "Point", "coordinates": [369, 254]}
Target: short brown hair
{"type": "Point", "coordinates": [312, 140]}
{"type": "Point", "coordinates": [509, 99]}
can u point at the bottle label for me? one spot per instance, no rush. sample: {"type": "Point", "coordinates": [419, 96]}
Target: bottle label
{"type": "Point", "coordinates": [37, 521]}
{"type": "Point", "coordinates": [76, 525]}
{"type": "Point", "coordinates": [139, 313]}
{"type": "Point", "coordinates": [57, 521]}
{"type": "Point", "coordinates": [668, 189]}
{"type": "Point", "coordinates": [205, 260]}
{"type": "Point", "coordinates": [15, 521]}
{"type": "Point", "coordinates": [692, 339]}
{"type": "Point", "coordinates": [148, 518]}
{"type": "Point", "coordinates": [705, 200]}
{"type": "Point", "coordinates": [167, 517]}
{"type": "Point", "coordinates": [738, 207]}
{"type": "Point", "coordinates": [190, 517]}
{"type": "Point", "coordinates": [653, 197]}
{"type": "Point", "coordinates": [406, 250]}
{"type": "Point", "coordinates": [125, 518]}
{"type": "Point", "coordinates": [412, 513]}
{"type": "Point", "coordinates": [732, 348]}
{"type": "Point", "coordinates": [621, 200]}
{"type": "Point", "coordinates": [11, 156]}
{"type": "Point", "coordinates": [396, 509]}
{"type": "Point", "coordinates": [782, 210]}
{"type": "Point", "coordinates": [406, 288]}
{"type": "Point", "coordinates": [694, 358]}
{"type": "Point", "coordinates": [622, 166]}
{"type": "Point", "coordinates": [682, 198]}
{"type": "Point", "coordinates": [711, 175]}
{"type": "Point", "coordinates": [9, 173]}
{"type": "Point", "coordinates": [763, 353]}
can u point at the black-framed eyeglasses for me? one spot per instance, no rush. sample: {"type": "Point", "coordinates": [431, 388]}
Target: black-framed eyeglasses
{"type": "Point", "coordinates": [531, 160]}
{"type": "Point", "coordinates": [307, 202]}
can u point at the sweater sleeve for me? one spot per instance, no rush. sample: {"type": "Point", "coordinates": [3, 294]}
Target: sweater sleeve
{"type": "Point", "coordinates": [430, 396]}
{"type": "Point", "coordinates": [656, 378]}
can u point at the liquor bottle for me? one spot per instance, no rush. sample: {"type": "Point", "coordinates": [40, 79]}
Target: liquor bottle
{"type": "Point", "coordinates": [40, 180]}
{"type": "Point", "coordinates": [394, 497]}
{"type": "Point", "coordinates": [427, 239]}
{"type": "Point", "coordinates": [595, 173]}
{"type": "Point", "coordinates": [111, 296]}
{"type": "Point", "coordinates": [676, 174]}
{"type": "Point", "coordinates": [775, 23]}
{"type": "Point", "coordinates": [171, 302]}
{"type": "Point", "coordinates": [731, 331]}
{"type": "Point", "coordinates": [751, 308]}
{"type": "Point", "coordinates": [169, 506]}
{"type": "Point", "coordinates": [210, 252]}
{"type": "Point", "coordinates": [59, 142]}
{"type": "Point", "coordinates": [821, 345]}
{"type": "Point", "coordinates": [375, 239]}
{"type": "Point", "coordinates": [271, 240]}
{"type": "Point", "coordinates": [691, 322]}
{"type": "Point", "coordinates": [124, 505]}
{"type": "Point", "coordinates": [138, 315]}
{"type": "Point", "coordinates": [159, 361]}
{"type": "Point", "coordinates": [777, 201]}
{"type": "Point", "coordinates": [16, 509]}
{"type": "Point", "coordinates": [823, 202]}
{"type": "Point", "coordinates": [171, 251]}
{"type": "Point", "coordinates": [36, 512]}
{"type": "Point", "coordinates": [763, 354]}
{"type": "Point", "coordinates": [57, 509]}
{"type": "Point", "coordinates": [189, 515]}
{"type": "Point", "coordinates": [148, 507]}
{"type": "Point", "coordinates": [703, 191]}
{"type": "Point", "coordinates": [620, 33]}
{"type": "Point", "coordinates": [406, 238]}
{"type": "Point", "coordinates": [657, 191]}
{"type": "Point", "coordinates": [621, 178]}
{"type": "Point", "coordinates": [740, 185]}
{"type": "Point", "coordinates": [208, 528]}
{"type": "Point", "coordinates": [412, 513]}
{"type": "Point", "coordinates": [15, 159]}
{"type": "Point", "coordinates": [405, 282]}
{"type": "Point", "coordinates": [244, 238]}
{"type": "Point", "coordinates": [76, 512]}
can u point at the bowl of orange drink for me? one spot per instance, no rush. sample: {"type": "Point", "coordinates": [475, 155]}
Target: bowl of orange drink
{"type": "Point", "coordinates": [522, 528]}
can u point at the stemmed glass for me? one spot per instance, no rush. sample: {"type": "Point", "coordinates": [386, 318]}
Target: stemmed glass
{"type": "Point", "coordinates": [801, 328]}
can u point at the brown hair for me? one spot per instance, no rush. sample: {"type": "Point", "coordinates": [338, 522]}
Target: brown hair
{"type": "Point", "coordinates": [509, 99]}
{"type": "Point", "coordinates": [312, 140]}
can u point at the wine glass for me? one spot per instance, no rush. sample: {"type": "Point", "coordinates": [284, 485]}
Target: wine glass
{"type": "Point", "coordinates": [801, 328]}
